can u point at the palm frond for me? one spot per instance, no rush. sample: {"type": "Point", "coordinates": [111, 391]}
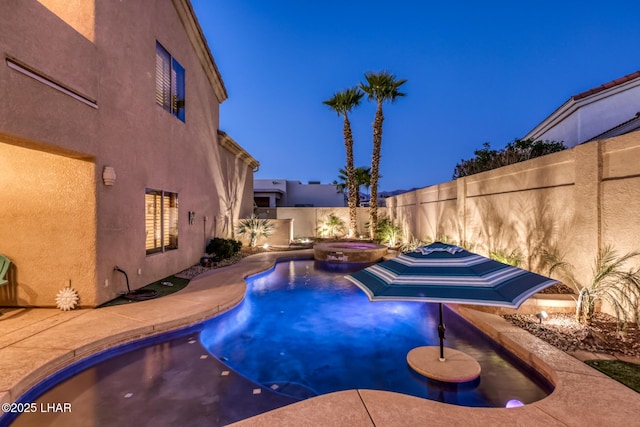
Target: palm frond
{"type": "Point", "coordinates": [345, 101]}
{"type": "Point", "coordinates": [613, 283]}
{"type": "Point", "coordinates": [382, 86]}
{"type": "Point", "coordinates": [254, 227]}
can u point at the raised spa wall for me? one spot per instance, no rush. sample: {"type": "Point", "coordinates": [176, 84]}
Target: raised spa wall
{"type": "Point", "coordinates": [349, 252]}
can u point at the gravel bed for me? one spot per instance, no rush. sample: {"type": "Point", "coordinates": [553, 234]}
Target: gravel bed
{"type": "Point", "coordinates": [565, 333]}
{"type": "Point", "coordinates": [198, 269]}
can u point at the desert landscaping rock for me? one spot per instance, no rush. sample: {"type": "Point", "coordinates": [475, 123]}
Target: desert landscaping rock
{"type": "Point", "coordinates": [567, 334]}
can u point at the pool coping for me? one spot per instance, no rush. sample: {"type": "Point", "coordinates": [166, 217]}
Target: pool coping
{"type": "Point", "coordinates": [36, 343]}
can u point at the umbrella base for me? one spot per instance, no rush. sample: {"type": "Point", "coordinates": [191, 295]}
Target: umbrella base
{"type": "Point", "coordinates": [458, 367]}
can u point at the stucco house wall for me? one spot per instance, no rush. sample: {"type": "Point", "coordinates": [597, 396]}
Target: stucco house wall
{"type": "Point", "coordinates": [47, 223]}
{"type": "Point", "coordinates": [572, 203]}
{"type": "Point", "coordinates": [76, 230]}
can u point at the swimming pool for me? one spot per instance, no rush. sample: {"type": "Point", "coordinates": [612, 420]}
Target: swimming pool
{"type": "Point", "coordinates": [304, 330]}
{"type": "Point", "coordinates": [171, 379]}
{"type": "Point", "coordinates": [165, 380]}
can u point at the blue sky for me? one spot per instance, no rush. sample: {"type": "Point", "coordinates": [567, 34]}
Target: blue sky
{"type": "Point", "coordinates": [477, 72]}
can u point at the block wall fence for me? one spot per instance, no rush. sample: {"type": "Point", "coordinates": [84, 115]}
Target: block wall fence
{"type": "Point", "coordinates": [299, 223]}
{"type": "Point", "coordinates": [571, 203]}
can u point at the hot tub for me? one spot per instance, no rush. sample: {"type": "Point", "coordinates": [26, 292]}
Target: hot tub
{"type": "Point", "coordinates": [358, 252]}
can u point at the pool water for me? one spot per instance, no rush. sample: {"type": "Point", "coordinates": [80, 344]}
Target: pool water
{"type": "Point", "coordinates": [303, 330]}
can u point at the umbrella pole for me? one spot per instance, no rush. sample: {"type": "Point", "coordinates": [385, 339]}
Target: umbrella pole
{"type": "Point", "coordinates": [441, 335]}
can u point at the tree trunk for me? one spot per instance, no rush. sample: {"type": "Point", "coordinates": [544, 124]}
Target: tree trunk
{"type": "Point", "coordinates": [351, 178]}
{"type": "Point", "coordinates": [585, 306]}
{"type": "Point", "coordinates": [375, 170]}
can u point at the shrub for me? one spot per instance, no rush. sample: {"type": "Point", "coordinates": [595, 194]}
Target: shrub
{"type": "Point", "coordinates": [611, 282]}
{"type": "Point", "coordinates": [220, 249]}
{"type": "Point", "coordinates": [389, 233]}
{"type": "Point", "coordinates": [464, 244]}
{"type": "Point", "coordinates": [333, 226]}
{"type": "Point", "coordinates": [513, 258]}
{"type": "Point", "coordinates": [412, 245]}
{"type": "Point", "coordinates": [255, 227]}
{"type": "Point", "coordinates": [516, 151]}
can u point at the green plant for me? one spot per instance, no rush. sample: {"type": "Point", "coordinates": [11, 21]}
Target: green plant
{"type": "Point", "coordinates": [412, 245]}
{"type": "Point", "coordinates": [388, 233]}
{"type": "Point", "coordinates": [516, 151]}
{"type": "Point", "coordinates": [467, 245]}
{"type": "Point", "coordinates": [333, 226]}
{"type": "Point", "coordinates": [219, 248]}
{"type": "Point", "coordinates": [255, 227]}
{"type": "Point", "coordinates": [443, 238]}
{"type": "Point", "coordinates": [611, 282]}
{"type": "Point", "coordinates": [362, 178]}
{"type": "Point", "coordinates": [513, 258]}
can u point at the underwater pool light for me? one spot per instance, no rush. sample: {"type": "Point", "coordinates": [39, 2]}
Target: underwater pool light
{"type": "Point", "coordinates": [514, 403]}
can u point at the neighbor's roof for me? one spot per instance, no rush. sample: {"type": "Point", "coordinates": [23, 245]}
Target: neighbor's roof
{"type": "Point", "coordinates": [606, 86]}
{"type": "Point", "coordinates": [621, 129]}
{"type": "Point", "coordinates": [577, 101]}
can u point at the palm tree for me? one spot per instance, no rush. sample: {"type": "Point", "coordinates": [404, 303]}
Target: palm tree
{"type": "Point", "coordinates": [333, 226]}
{"type": "Point", "coordinates": [380, 87]}
{"type": "Point", "coordinates": [341, 185]}
{"type": "Point", "coordinates": [611, 282]}
{"type": "Point", "coordinates": [342, 103]}
{"type": "Point", "coordinates": [362, 178]}
{"type": "Point", "coordinates": [255, 227]}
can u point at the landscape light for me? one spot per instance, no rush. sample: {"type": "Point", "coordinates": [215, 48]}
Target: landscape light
{"type": "Point", "coordinates": [542, 315]}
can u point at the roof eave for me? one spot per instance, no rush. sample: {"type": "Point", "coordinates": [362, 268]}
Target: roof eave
{"type": "Point", "coordinates": [562, 112]}
{"type": "Point", "coordinates": [201, 47]}
{"type": "Point", "coordinates": [631, 125]}
{"type": "Point", "coordinates": [234, 148]}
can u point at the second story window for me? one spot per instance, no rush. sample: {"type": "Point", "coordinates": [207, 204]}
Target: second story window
{"type": "Point", "coordinates": [169, 83]}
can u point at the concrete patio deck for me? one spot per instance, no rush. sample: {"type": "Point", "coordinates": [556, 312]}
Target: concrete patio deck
{"type": "Point", "coordinates": [35, 343]}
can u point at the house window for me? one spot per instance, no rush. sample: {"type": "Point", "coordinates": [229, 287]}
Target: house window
{"type": "Point", "coordinates": [170, 92]}
{"type": "Point", "coordinates": [161, 221]}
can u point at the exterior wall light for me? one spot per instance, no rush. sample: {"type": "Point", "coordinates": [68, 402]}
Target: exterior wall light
{"type": "Point", "coordinates": [108, 176]}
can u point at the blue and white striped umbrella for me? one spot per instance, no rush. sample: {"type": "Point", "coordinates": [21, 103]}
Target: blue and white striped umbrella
{"type": "Point", "coordinates": [448, 274]}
